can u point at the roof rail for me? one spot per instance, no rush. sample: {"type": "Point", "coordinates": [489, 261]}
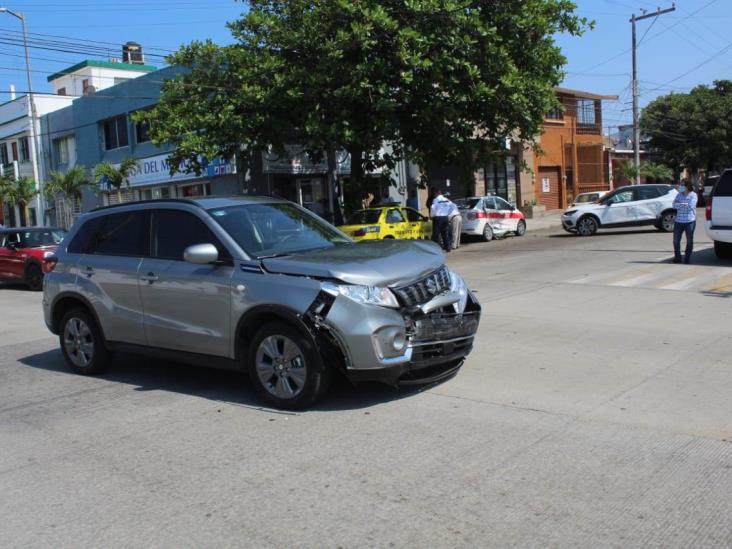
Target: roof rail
{"type": "Point", "coordinates": [153, 201]}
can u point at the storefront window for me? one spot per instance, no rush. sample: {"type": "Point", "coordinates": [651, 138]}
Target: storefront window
{"type": "Point", "coordinates": [500, 178]}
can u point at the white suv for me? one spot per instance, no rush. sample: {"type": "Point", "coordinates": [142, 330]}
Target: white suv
{"type": "Point", "coordinates": [624, 207]}
{"type": "Point", "coordinates": [718, 223]}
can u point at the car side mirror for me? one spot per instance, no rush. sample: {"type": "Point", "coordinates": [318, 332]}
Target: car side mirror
{"type": "Point", "coordinates": [12, 246]}
{"type": "Point", "coordinates": [201, 254]}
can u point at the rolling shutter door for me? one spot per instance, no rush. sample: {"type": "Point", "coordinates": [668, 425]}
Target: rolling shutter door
{"type": "Point", "coordinates": [548, 190]}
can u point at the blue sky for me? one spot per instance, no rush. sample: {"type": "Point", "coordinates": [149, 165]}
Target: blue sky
{"type": "Point", "coordinates": [688, 47]}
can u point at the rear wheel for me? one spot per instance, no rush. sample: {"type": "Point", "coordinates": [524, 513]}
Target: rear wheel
{"type": "Point", "coordinates": [587, 226]}
{"type": "Point", "coordinates": [487, 233]}
{"type": "Point", "coordinates": [286, 368]}
{"type": "Point", "coordinates": [723, 250]}
{"type": "Point", "coordinates": [521, 228]}
{"type": "Point", "coordinates": [82, 343]}
{"type": "Point", "coordinates": [34, 277]}
{"type": "Point", "coordinates": [666, 223]}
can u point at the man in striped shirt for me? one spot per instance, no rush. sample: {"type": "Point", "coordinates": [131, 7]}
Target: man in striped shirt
{"type": "Point", "coordinates": [685, 206]}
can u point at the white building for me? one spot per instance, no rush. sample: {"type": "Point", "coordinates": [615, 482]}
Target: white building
{"type": "Point", "coordinates": [18, 157]}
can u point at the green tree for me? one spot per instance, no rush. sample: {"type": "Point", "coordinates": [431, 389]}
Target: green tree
{"type": "Point", "coordinates": [692, 130]}
{"type": "Point", "coordinates": [447, 81]}
{"type": "Point", "coordinates": [116, 178]}
{"type": "Point", "coordinates": [71, 185]}
{"type": "Point", "coordinates": [656, 173]}
{"type": "Point", "coordinates": [624, 171]}
{"type": "Point", "coordinates": [19, 192]}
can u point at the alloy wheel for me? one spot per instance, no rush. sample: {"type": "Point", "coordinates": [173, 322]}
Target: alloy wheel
{"type": "Point", "coordinates": [281, 366]}
{"type": "Point", "coordinates": [586, 226]}
{"type": "Point", "coordinates": [79, 342]}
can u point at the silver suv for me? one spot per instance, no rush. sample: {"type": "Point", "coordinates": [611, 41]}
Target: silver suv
{"type": "Point", "coordinates": [256, 284]}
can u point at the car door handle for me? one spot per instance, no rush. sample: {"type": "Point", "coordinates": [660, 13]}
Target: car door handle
{"type": "Point", "coordinates": [150, 278]}
{"type": "Point", "coordinates": [89, 271]}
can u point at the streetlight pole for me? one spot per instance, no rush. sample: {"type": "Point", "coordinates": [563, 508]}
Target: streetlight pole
{"type": "Point", "coordinates": [636, 93]}
{"type": "Point", "coordinates": [35, 150]}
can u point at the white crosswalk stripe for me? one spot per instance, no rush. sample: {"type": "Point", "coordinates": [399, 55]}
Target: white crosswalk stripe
{"type": "Point", "coordinates": [665, 276]}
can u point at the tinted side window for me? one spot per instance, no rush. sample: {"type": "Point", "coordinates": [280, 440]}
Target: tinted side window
{"type": "Point", "coordinates": [502, 204]}
{"type": "Point", "coordinates": [724, 185]}
{"type": "Point", "coordinates": [413, 215]}
{"type": "Point", "coordinates": [647, 193]}
{"type": "Point", "coordinates": [123, 234]}
{"type": "Point", "coordinates": [489, 203]}
{"type": "Point", "coordinates": [394, 216]}
{"type": "Point", "coordinates": [175, 230]}
{"type": "Point", "coordinates": [83, 238]}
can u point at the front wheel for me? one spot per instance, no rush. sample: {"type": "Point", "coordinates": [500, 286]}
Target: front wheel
{"type": "Point", "coordinates": [667, 221]}
{"type": "Point", "coordinates": [286, 368]}
{"type": "Point", "coordinates": [521, 228]}
{"type": "Point", "coordinates": [587, 226]}
{"type": "Point", "coordinates": [34, 277]}
{"type": "Point", "coordinates": [82, 343]}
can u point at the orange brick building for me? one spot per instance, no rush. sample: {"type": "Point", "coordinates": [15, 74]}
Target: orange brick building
{"type": "Point", "coordinates": [571, 159]}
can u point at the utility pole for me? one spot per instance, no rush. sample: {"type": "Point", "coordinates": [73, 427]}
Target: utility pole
{"type": "Point", "coordinates": [34, 146]}
{"type": "Point", "coordinates": [636, 128]}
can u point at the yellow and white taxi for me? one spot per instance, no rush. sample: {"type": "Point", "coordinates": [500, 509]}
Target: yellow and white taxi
{"type": "Point", "coordinates": [391, 221]}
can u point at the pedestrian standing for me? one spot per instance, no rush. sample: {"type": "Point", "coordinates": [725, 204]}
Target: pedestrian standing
{"type": "Point", "coordinates": [685, 206]}
{"type": "Point", "coordinates": [430, 198]}
{"type": "Point", "coordinates": [456, 226]}
{"type": "Point", "coordinates": [439, 212]}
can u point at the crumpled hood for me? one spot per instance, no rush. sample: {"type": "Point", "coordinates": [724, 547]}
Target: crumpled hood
{"type": "Point", "coordinates": [370, 263]}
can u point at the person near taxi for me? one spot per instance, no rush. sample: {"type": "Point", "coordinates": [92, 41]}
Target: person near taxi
{"type": "Point", "coordinates": [440, 213]}
{"type": "Point", "coordinates": [456, 226]}
{"type": "Point", "coordinates": [685, 206]}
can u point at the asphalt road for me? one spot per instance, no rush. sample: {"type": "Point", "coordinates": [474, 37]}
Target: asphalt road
{"type": "Point", "coordinates": [596, 411]}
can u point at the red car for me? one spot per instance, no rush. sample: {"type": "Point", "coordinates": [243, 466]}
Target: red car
{"type": "Point", "coordinates": [26, 254]}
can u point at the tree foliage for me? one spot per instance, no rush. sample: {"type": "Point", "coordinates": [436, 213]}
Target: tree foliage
{"type": "Point", "coordinates": [71, 185]}
{"type": "Point", "coordinates": [443, 80]}
{"type": "Point", "coordinates": [116, 178]}
{"type": "Point", "coordinates": [692, 130]}
{"type": "Point", "coordinates": [656, 173]}
{"type": "Point", "coordinates": [18, 192]}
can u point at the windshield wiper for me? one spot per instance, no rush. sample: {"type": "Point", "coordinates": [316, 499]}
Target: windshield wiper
{"type": "Point", "coordinates": [272, 256]}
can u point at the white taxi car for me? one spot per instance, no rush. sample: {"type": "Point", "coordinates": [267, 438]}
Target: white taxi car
{"type": "Point", "coordinates": [490, 216]}
{"type": "Point", "coordinates": [631, 206]}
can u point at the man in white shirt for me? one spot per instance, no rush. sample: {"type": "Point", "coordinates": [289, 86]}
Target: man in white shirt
{"type": "Point", "coordinates": [440, 212]}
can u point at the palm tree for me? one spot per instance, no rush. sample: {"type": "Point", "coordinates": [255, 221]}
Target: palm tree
{"type": "Point", "coordinates": [4, 191]}
{"type": "Point", "coordinates": [115, 177]}
{"type": "Point", "coordinates": [656, 173]}
{"type": "Point", "coordinates": [71, 184]}
{"type": "Point", "coordinates": [19, 193]}
{"type": "Point", "coordinates": [625, 170]}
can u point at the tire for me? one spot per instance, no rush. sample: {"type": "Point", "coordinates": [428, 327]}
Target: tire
{"type": "Point", "coordinates": [388, 237]}
{"type": "Point", "coordinates": [82, 343]}
{"type": "Point", "coordinates": [666, 223]}
{"type": "Point", "coordinates": [286, 368]}
{"type": "Point", "coordinates": [34, 277]}
{"type": "Point", "coordinates": [723, 250]}
{"type": "Point", "coordinates": [521, 228]}
{"type": "Point", "coordinates": [587, 226]}
{"type": "Point", "coordinates": [488, 233]}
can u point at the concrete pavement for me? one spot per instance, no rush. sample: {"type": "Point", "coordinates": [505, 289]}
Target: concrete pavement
{"type": "Point", "coordinates": [595, 411]}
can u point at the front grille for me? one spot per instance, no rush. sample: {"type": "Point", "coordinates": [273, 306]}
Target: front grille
{"type": "Point", "coordinates": [438, 353]}
{"type": "Point", "coordinates": [424, 289]}
{"type": "Point", "coordinates": [445, 326]}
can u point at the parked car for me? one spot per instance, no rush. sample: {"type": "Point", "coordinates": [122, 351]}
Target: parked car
{"type": "Point", "coordinates": [706, 190]}
{"type": "Point", "coordinates": [718, 224]}
{"type": "Point", "coordinates": [586, 198]}
{"type": "Point", "coordinates": [632, 206]}
{"type": "Point", "coordinates": [261, 285]}
{"type": "Point", "coordinates": [489, 217]}
{"type": "Point", "coordinates": [26, 254]}
{"type": "Point", "coordinates": [391, 221]}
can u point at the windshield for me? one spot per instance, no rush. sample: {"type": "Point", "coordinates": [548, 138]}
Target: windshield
{"type": "Point", "coordinates": [270, 230]}
{"type": "Point", "coordinates": [590, 197]}
{"type": "Point", "coordinates": [467, 203]}
{"type": "Point", "coordinates": [364, 217]}
{"type": "Point", "coordinates": [36, 239]}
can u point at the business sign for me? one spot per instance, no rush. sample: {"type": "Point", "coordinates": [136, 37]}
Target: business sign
{"type": "Point", "coordinates": [156, 169]}
{"type": "Point", "coordinates": [545, 185]}
{"type": "Point", "coordinates": [296, 161]}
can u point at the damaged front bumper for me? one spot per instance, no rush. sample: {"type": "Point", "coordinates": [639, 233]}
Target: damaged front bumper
{"type": "Point", "coordinates": [437, 339]}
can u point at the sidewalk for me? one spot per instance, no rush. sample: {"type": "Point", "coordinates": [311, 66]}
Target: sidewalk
{"type": "Point", "coordinates": [550, 220]}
